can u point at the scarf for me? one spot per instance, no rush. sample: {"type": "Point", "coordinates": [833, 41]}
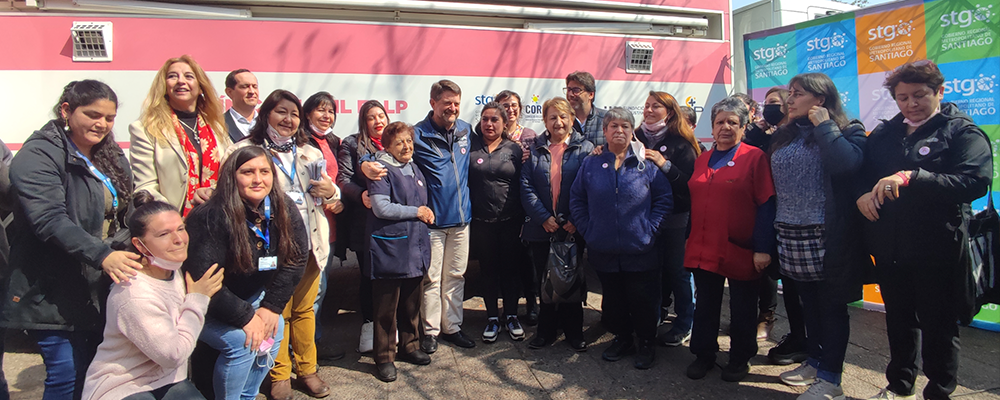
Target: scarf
{"type": "Point", "coordinates": [208, 174]}
{"type": "Point", "coordinates": [655, 131]}
{"type": "Point", "coordinates": [917, 124]}
{"type": "Point", "coordinates": [515, 134]}
{"type": "Point", "coordinates": [279, 143]}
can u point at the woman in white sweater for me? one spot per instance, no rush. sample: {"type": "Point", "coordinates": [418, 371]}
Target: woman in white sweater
{"type": "Point", "coordinates": [153, 322]}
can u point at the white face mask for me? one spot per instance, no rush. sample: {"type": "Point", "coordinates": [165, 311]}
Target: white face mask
{"type": "Point", "coordinates": [639, 150]}
{"type": "Point", "coordinates": [160, 262]}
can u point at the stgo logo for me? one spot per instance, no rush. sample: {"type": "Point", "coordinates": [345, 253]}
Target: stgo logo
{"type": "Point", "coordinates": [891, 32]}
{"type": "Point", "coordinates": [969, 87]}
{"type": "Point", "coordinates": [824, 44]}
{"type": "Point", "coordinates": [965, 18]}
{"type": "Point", "coordinates": [769, 54]}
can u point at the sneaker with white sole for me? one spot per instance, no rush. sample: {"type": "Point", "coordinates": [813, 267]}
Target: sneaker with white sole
{"type": "Point", "coordinates": [367, 341]}
{"type": "Point", "coordinates": [886, 394]}
{"type": "Point", "coordinates": [823, 390]}
{"type": "Point", "coordinates": [514, 328]}
{"type": "Point", "coordinates": [492, 330]}
{"type": "Point", "coordinates": [802, 375]}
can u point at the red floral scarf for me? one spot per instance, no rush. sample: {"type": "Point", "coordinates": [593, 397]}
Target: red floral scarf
{"type": "Point", "coordinates": [209, 173]}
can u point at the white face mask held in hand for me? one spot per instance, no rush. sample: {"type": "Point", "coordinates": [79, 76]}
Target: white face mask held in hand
{"type": "Point", "coordinates": [161, 262]}
{"type": "Point", "coordinates": [640, 152]}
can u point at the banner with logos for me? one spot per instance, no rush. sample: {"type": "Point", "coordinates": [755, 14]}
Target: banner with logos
{"type": "Point", "coordinates": [859, 49]}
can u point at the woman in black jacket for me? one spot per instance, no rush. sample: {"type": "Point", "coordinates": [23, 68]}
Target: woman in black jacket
{"type": "Point", "coordinates": [921, 170]}
{"type": "Point", "coordinates": [255, 233]}
{"type": "Point", "coordinates": [494, 189]}
{"type": "Point", "coordinates": [73, 186]}
{"type": "Point", "coordinates": [670, 144]}
{"type": "Point", "coordinates": [372, 120]}
{"type": "Point", "coordinates": [814, 162]}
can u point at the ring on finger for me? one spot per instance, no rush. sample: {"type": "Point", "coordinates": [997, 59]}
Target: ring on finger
{"type": "Point", "coordinates": [888, 188]}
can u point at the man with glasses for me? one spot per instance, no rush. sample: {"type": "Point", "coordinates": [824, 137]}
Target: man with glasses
{"type": "Point", "coordinates": [580, 89]}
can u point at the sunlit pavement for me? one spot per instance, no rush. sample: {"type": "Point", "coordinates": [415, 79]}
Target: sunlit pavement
{"type": "Point", "coordinates": [509, 370]}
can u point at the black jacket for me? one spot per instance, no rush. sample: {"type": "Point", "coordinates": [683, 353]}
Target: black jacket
{"type": "Point", "coordinates": [495, 180]}
{"type": "Point", "coordinates": [209, 243]}
{"type": "Point", "coordinates": [846, 265]}
{"type": "Point", "coordinates": [681, 155]}
{"type": "Point", "coordinates": [56, 281]}
{"type": "Point", "coordinates": [927, 225]}
{"type": "Point", "coordinates": [351, 228]}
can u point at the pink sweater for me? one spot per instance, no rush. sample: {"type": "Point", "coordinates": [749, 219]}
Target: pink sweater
{"type": "Point", "coordinates": [151, 331]}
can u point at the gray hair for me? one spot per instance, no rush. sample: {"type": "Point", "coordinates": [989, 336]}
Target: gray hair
{"type": "Point", "coordinates": [734, 105]}
{"type": "Point", "coordinates": [619, 114]}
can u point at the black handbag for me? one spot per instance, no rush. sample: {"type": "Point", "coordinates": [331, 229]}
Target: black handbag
{"type": "Point", "coordinates": [983, 245]}
{"type": "Point", "coordinates": [563, 280]}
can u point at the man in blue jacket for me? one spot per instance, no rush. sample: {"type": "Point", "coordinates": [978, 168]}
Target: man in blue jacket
{"type": "Point", "coordinates": [441, 150]}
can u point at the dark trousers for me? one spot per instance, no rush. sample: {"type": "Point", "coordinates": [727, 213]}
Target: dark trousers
{"type": "Point", "coordinates": [742, 319]}
{"type": "Point", "coordinates": [920, 319]}
{"type": "Point", "coordinates": [631, 302]}
{"type": "Point", "coordinates": [793, 306]}
{"type": "Point", "coordinates": [828, 327]}
{"type": "Point", "coordinates": [183, 390]}
{"type": "Point", "coordinates": [551, 317]}
{"type": "Point", "coordinates": [768, 295]}
{"type": "Point", "coordinates": [675, 278]}
{"type": "Point", "coordinates": [365, 290]}
{"type": "Point", "coordinates": [498, 247]}
{"type": "Point", "coordinates": [526, 273]}
{"type": "Point", "coordinates": [396, 303]}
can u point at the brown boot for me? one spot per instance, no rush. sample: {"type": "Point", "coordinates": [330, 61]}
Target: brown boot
{"type": "Point", "coordinates": [765, 322]}
{"type": "Point", "coordinates": [314, 386]}
{"type": "Point", "coordinates": [281, 390]}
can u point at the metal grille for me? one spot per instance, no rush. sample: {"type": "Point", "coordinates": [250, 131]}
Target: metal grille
{"type": "Point", "coordinates": [638, 58]}
{"type": "Point", "coordinates": [91, 41]}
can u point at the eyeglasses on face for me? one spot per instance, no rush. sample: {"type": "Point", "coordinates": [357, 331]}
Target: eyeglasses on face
{"type": "Point", "coordinates": [574, 90]}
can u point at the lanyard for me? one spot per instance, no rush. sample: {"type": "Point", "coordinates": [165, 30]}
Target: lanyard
{"type": "Point", "coordinates": [97, 173]}
{"type": "Point", "coordinates": [267, 224]}
{"type": "Point", "coordinates": [277, 161]}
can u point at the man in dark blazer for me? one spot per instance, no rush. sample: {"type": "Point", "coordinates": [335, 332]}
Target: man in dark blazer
{"type": "Point", "coordinates": [241, 87]}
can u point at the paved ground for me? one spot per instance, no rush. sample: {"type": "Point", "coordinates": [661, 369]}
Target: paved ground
{"type": "Point", "coordinates": [509, 370]}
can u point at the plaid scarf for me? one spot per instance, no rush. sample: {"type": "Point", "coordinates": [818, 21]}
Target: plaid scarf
{"type": "Point", "coordinates": [209, 161]}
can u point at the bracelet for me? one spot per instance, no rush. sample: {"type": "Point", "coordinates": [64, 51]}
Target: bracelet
{"type": "Point", "coordinates": [906, 179]}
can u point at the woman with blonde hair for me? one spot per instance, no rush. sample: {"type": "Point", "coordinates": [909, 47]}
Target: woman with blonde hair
{"type": "Point", "coordinates": [178, 143]}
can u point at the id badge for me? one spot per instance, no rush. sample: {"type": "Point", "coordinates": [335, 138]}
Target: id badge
{"type": "Point", "coordinates": [298, 197]}
{"type": "Point", "coordinates": [267, 263]}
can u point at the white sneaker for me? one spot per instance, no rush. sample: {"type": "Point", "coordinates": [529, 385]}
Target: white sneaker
{"type": "Point", "coordinates": [823, 390]}
{"type": "Point", "coordinates": [802, 375]}
{"type": "Point", "coordinates": [886, 394]}
{"type": "Point", "coordinates": [367, 342]}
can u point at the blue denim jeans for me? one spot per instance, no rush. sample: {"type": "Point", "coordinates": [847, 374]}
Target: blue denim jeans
{"type": "Point", "coordinates": [66, 355]}
{"type": "Point", "coordinates": [828, 329]}
{"type": "Point", "coordinates": [239, 371]}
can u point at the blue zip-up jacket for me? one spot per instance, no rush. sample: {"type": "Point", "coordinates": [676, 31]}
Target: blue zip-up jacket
{"type": "Point", "coordinates": [536, 184]}
{"type": "Point", "coordinates": [619, 212]}
{"type": "Point", "coordinates": [443, 157]}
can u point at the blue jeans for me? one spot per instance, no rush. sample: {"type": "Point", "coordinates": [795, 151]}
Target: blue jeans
{"type": "Point", "coordinates": [66, 355]}
{"type": "Point", "coordinates": [322, 291]}
{"type": "Point", "coordinates": [239, 371]}
{"type": "Point", "coordinates": [183, 390]}
{"type": "Point", "coordinates": [676, 278]}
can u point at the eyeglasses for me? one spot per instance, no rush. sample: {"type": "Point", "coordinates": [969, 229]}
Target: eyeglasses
{"type": "Point", "coordinates": [574, 90]}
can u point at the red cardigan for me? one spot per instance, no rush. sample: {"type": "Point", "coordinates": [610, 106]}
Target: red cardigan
{"type": "Point", "coordinates": [724, 205]}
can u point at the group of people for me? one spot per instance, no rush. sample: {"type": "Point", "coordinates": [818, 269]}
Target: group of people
{"type": "Point", "coordinates": [210, 242]}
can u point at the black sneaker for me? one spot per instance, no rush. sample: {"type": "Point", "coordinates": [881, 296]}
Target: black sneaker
{"type": "Point", "coordinates": [429, 344]}
{"type": "Point", "coordinates": [514, 328]}
{"type": "Point", "coordinates": [790, 350]}
{"type": "Point", "coordinates": [735, 371]}
{"type": "Point", "coordinates": [540, 341]}
{"type": "Point", "coordinates": [492, 331]}
{"type": "Point", "coordinates": [645, 354]}
{"type": "Point", "coordinates": [620, 347]}
{"type": "Point", "coordinates": [458, 339]}
{"type": "Point", "coordinates": [700, 367]}
{"type": "Point", "coordinates": [674, 338]}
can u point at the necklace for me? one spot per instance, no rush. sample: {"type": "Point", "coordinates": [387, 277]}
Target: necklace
{"type": "Point", "coordinates": [186, 125]}
{"type": "Point", "coordinates": [194, 133]}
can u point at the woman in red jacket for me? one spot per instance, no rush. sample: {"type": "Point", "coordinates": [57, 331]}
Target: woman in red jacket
{"type": "Point", "coordinates": [732, 212]}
